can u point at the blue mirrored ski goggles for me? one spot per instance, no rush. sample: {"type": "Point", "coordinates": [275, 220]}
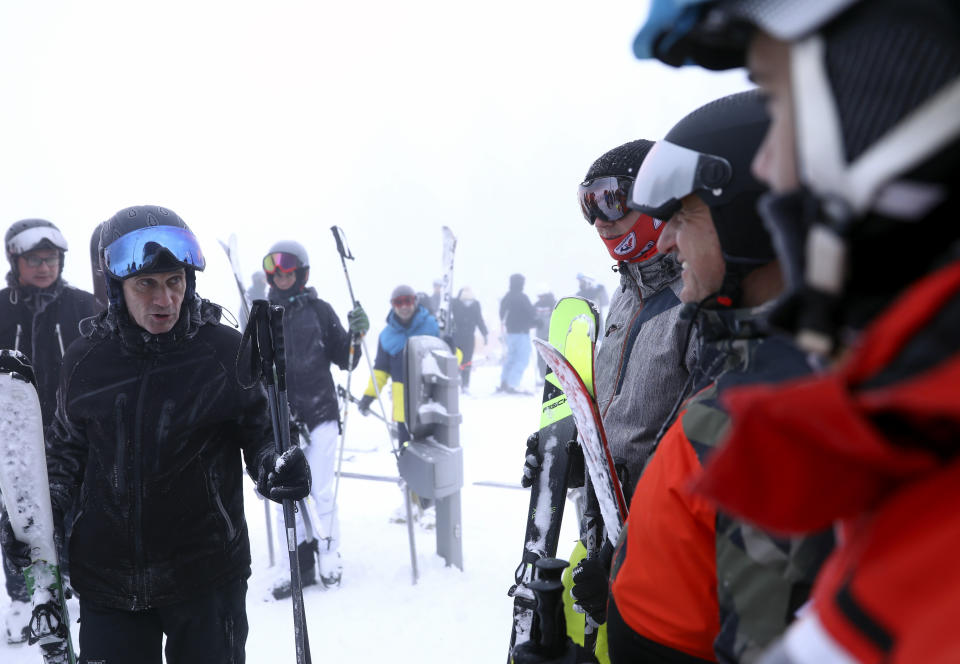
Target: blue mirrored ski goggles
{"type": "Point", "coordinates": [145, 248]}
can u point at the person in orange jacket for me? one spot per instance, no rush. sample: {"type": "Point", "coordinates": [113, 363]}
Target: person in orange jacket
{"type": "Point", "coordinates": [862, 156]}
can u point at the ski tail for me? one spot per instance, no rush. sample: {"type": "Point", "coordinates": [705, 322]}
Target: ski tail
{"type": "Point", "coordinates": [26, 496]}
{"type": "Point", "coordinates": [573, 326]}
{"type": "Point", "coordinates": [446, 294]}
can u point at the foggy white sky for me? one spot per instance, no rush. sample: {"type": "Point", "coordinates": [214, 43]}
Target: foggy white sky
{"type": "Point", "coordinates": [275, 120]}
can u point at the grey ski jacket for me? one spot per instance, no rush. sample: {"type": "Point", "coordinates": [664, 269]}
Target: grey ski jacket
{"type": "Point", "coordinates": [643, 360]}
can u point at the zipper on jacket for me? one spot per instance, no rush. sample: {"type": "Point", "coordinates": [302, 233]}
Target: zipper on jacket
{"type": "Point", "coordinates": [59, 338]}
{"type": "Point", "coordinates": [16, 340]}
{"type": "Point", "coordinates": [231, 531]}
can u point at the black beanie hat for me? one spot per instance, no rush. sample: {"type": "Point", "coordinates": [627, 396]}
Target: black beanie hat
{"type": "Point", "coordinates": [622, 161]}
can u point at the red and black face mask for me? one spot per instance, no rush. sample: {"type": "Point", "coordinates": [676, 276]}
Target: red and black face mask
{"type": "Point", "coordinates": [637, 244]}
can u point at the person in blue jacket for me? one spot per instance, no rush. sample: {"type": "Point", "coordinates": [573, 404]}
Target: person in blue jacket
{"type": "Point", "coordinates": [406, 319]}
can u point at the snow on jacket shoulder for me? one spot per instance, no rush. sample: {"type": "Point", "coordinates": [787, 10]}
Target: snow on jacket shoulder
{"type": "Point", "coordinates": [642, 361]}
{"type": "Point", "coordinates": [875, 444]}
{"type": "Point", "coordinates": [148, 437]}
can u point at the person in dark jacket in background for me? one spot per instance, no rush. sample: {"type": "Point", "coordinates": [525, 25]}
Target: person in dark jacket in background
{"type": "Point", "coordinates": [314, 339]}
{"type": "Point", "coordinates": [149, 429]}
{"type": "Point", "coordinates": [544, 309]}
{"type": "Point", "coordinates": [39, 316]}
{"type": "Point", "coordinates": [517, 316]}
{"type": "Point", "coordinates": [467, 319]}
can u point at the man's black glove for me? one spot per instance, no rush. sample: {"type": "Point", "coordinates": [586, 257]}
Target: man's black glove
{"type": "Point", "coordinates": [284, 476]}
{"type": "Point", "coordinates": [364, 405]}
{"type": "Point", "coordinates": [591, 584]}
{"type": "Point", "coordinates": [16, 552]}
{"type": "Point", "coordinates": [532, 461]}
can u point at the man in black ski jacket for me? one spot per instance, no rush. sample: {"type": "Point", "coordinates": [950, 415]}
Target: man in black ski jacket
{"type": "Point", "coordinates": [314, 339]}
{"type": "Point", "coordinates": [39, 316]}
{"type": "Point", "coordinates": [150, 424]}
{"type": "Point", "coordinates": [467, 319]}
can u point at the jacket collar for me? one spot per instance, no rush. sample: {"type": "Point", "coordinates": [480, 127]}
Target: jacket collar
{"type": "Point", "coordinates": [650, 276]}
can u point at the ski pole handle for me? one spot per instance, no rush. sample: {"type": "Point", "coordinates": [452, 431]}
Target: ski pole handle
{"type": "Point", "coordinates": [264, 343]}
{"type": "Point", "coordinates": [344, 255]}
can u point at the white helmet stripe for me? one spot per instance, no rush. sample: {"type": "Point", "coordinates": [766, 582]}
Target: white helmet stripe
{"type": "Point", "coordinates": [26, 240]}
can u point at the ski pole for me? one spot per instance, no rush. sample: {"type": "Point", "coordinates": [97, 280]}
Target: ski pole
{"type": "Point", "coordinates": [244, 319]}
{"type": "Point", "coordinates": [343, 434]}
{"type": "Point", "coordinates": [269, 331]}
{"type": "Point", "coordinates": [345, 253]}
{"type": "Point", "coordinates": [345, 394]}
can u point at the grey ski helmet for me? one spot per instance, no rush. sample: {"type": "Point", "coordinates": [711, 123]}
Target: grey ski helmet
{"type": "Point", "coordinates": [279, 258]}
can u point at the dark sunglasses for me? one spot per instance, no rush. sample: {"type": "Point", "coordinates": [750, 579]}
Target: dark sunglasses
{"type": "Point", "coordinates": [36, 261]}
{"type": "Point", "coordinates": [605, 198]}
{"type": "Point", "coordinates": [404, 300]}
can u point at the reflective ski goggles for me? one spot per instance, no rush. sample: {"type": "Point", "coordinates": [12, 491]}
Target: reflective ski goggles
{"type": "Point", "coordinates": [669, 172]}
{"type": "Point", "coordinates": [37, 237]}
{"type": "Point", "coordinates": [143, 249]}
{"type": "Point", "coordinates": [404, 301]}
{"type": "Point", "coordinates": [280, 260]}
{"type": "Point", "coordinates": [605, 198]}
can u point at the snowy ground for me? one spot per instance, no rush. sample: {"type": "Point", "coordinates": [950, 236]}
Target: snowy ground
{"type": "Point", "coordinates": [378, 615]}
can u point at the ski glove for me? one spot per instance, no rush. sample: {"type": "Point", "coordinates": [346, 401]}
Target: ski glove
{"type": "Point", "coordinates": [531, 464]}
{"type": "Point", "coordinates": [284, 476]}
{"type": "Point", "coordinates": [364, 405]}
{"type": "Point", "coordinates": [16, 552]}
{"type": "Point", "coordinates": [357, 321]}
{"type": "Point", "coordinates": [591, 584]}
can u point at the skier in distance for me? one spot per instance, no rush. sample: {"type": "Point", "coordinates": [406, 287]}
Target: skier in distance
{"type": "Point", "coordinates": [314, 339]}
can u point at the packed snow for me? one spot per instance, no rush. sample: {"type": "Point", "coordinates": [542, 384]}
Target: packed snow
{"type": "Point", "coordinates": [378, 615]}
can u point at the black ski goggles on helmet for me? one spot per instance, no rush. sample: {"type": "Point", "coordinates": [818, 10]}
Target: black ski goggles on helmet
{"type": "Point", "coordinates": [282, 261]}
{"type": "Point", "coordinates": [669, 172]}
{"type": "Point", "coordinates": [149, 249]}
{"type": "Point", "coordinates": [605, 198]}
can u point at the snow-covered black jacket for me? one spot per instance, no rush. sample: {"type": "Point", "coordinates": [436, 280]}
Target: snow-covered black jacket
{"type": "Point", "coordinates": [42, 324]}
{"type": "Point", "coordinates": [516, 312]}
{"type": "Point", "coordinates": [148, 434]}
{"type": "Point", "coordinates": [314, 338]}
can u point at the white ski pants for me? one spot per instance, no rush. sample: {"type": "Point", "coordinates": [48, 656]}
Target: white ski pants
{"type": "Point", "coordinates": [321, 454]}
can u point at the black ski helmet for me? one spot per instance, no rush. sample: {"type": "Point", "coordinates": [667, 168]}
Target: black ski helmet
{"type": "Point", "coordinates": [128, 248]}
{"type": "Point", "coordinates": [297, 250]}
{"type": "Point", "coordinates": [709, 153]}
{"type": "Point", "coordinates": [28, 235]}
